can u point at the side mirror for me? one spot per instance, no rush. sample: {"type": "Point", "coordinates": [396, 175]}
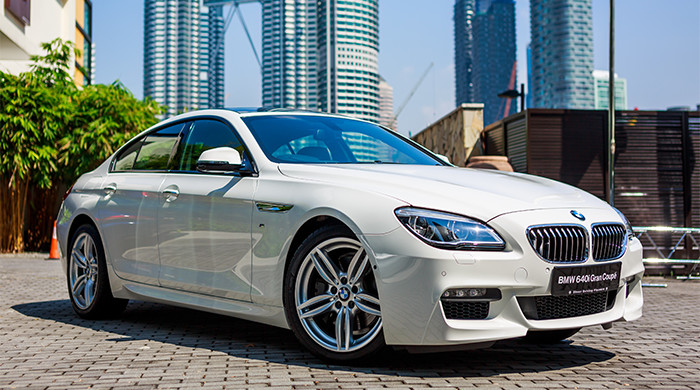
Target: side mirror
{"type": "Point", "coordinates": [443, 158]}
{"type": "Point", "coordinates": [222, 159]}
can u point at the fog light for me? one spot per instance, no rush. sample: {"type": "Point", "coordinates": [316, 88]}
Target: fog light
{"type": "Point", "coordinates": [476, 292]}
{"type": "Point", "coordinates": [480, 294]}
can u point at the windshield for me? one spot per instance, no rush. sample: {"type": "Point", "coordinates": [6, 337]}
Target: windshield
{"type": "Point", "coordinates": [328, 140]}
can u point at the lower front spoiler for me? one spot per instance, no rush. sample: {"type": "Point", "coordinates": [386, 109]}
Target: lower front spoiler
{"type": "Point", "coordinates": [510, 322]}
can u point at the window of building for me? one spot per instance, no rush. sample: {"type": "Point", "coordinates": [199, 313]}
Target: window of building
{"type": "Point", "coordinates": [21, 9]}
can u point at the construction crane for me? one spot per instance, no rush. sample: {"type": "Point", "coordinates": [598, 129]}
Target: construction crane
{"type": "Point", "coordinates": [410, 94]}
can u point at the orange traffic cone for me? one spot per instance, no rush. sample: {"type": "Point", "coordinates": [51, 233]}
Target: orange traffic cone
{"type": "Point", "coordinates": [53, 254]}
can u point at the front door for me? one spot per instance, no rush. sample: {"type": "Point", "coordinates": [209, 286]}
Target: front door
{"type": "Point", "coordinates": [204, 220]}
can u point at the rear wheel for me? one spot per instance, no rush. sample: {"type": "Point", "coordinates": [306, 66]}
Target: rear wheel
{"type": "Point", "coordinates": [549, 336]}
{"type": "Point", "coordinates": [331, 298]}
{"type": "Point", "coordinates": [88, 283]}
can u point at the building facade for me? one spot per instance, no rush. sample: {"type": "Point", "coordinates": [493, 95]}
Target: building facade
{"type": "Point", "coordinates": [561, 54]}
{"type": "Point", "coordinates": [84, 62]}
{"type": "Point", "coordinates": [25, 25]}
{"type": "Point", "coordinates": [494, 57]}
{"type": "Point", "coordinates": [348, 61]}
{"type": "Point", "coordinates": [386, 104]}
{"type": "Point", "coordinates": [463, 17]}
{"type": "Point", "coordinates": [322, 55]}
{"type": "Point", "coordinates": [600, 90]}
{"type": "Point", "coordinates": [172, 54]}
{"type": "Point", "coordinates": [183, 54]}
{"type": "Point", "coordinates": [211, 44]}
{"type": "Point", "coordinates": [289, 54]}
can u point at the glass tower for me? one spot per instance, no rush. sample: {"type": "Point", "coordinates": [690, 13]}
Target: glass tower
{"type": "Point", "coordinates": [601, 90]}
{"type": "Point", "coordinates": [493, 52]}
{"type": "Point", "coordinates": [289, 54]}
{"type": "Point", "coordinates": [386, 104]}
{"type": "Point", "coordinates": [561, 54]}
{"type": "Point", "coordinates": [322, 55]}
{"type": "Point", "coordinates": [464, 12]}
{"type": "Point", "coordinates": [212, 57]}
{"type": "Point", "coordinates": [177, 36]}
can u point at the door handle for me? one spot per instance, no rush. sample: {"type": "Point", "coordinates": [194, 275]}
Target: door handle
{"type": "Point", "coordinates": [110, 189]}
{"type": "Point", "coordinates": [170, 194]}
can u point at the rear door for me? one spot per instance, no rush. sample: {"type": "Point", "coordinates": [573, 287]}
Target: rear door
{"type": "Point", "coordinates": [128, 209]}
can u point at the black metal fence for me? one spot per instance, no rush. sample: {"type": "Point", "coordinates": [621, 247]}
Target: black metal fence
{"type": "Point", "coordinates": [657, 177]}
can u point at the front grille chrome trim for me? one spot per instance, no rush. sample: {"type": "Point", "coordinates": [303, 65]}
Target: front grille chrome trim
{"type": "Point", "coordinates": [608, 241]}
{"type": "Point", "coordinates": [559, 243]}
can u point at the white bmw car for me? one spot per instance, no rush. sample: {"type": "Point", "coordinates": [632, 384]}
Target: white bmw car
{"type": "Point", "coordinates": [347, 233]}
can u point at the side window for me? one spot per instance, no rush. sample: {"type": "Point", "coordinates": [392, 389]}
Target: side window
{"type": "Point", "coordinates": [203, 135]}
{"type": "Point", "coordinates": [125, 160]}
{"type": "Point", "coordinates": [157, 149]}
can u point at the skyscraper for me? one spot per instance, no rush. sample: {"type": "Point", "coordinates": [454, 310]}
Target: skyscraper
{"type": "Point", "coordinates": [561, 54]}
{"type": "Point", "coordinates": [289, 54]}
{"type": "Point", "coordinates": [212, 56]}
{"type": "Point", "coordinates": [464, 12]}
{"type": "Point", "coordinates": [171, 53]}
{"type": "Point", "coordinates": [177, 39]}
{"type": "Point", "coordinates": [600, 88]}
{"type": "Point", "coordinates": [348, 54]}
{"type": "Point", "coordinates": [493, 54]}
{"type": "Point", "coordinates": [386, 104]}
{"type": "Point", "coordinates": [322, 55]}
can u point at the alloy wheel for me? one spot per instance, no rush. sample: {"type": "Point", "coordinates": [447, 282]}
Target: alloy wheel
{"type": "Point", "coordinates": [83, 270]}
{"type": "Point", "coordinates": [336, 297]}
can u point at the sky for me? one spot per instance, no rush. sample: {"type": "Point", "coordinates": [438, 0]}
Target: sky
{"type": "Point", "coordinates": [657, 47]}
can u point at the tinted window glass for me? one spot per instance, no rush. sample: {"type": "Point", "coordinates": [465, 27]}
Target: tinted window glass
{"type": "Point", "coordinates": [203, 135]}
{"type": "Point", "coordinates": [125, 160]}
{"type": "Point", "coordinates": [157, 148]}
{"type": "Point", "coordinates": [318, 139]}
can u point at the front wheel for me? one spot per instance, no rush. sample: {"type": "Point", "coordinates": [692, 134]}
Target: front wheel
{"type": "Point", "coordinates": [88, 283]}
{"type": "Point", "coordinates": [331, 298]}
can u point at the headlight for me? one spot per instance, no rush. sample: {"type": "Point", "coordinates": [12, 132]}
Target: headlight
{"type": "Point", "coordinates": [628, 226]}
{"type": "Point", "coordinates": [449, 231]}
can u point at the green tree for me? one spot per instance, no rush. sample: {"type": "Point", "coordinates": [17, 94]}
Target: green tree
{"type": "Point", "coordinates": [34, 107]}
{"type": "Point", "coordinates": [52, 131]}
{"type": "Point", "coordinates": [105, 117]}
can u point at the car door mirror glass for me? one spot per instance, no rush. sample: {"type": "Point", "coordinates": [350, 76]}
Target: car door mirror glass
{"type": "Point", "coordinates": [223, 159]}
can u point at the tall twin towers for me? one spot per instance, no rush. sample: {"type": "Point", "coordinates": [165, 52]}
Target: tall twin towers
{"type": "Point", "coordinates": [316, 54]}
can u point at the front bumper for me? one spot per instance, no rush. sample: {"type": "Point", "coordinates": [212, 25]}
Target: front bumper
{"type": "Point", "coordinates": [411, 277]}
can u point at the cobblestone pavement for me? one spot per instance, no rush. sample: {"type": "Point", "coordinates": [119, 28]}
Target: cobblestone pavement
{"type": "Point", "coordinates": [44, 345]}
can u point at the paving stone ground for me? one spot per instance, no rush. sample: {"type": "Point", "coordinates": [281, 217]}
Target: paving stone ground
{"type": "Point", "coordinates": [44, 345]}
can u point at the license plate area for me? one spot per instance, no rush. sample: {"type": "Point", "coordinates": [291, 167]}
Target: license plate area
{"type": "Point", "coordinates": [587, 279]}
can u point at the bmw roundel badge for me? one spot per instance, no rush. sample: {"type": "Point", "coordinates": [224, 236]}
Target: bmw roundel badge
{"type": "Point", "coordinates": [578, 215]}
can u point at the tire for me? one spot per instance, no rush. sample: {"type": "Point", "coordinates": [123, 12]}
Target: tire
{"type": "Point", "coordinates": [88, 283]}
{"type": "Point", "coordinates": [330, 296]}
{"type": "Point", "coordinates": [549, 336]}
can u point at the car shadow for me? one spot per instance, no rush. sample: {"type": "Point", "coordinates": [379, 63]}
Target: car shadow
{"type": "Point", "coordinates": [245, 339]}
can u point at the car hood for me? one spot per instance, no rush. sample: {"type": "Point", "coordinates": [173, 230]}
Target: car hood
{"type": "Point", "coordinates": [483, 194]}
